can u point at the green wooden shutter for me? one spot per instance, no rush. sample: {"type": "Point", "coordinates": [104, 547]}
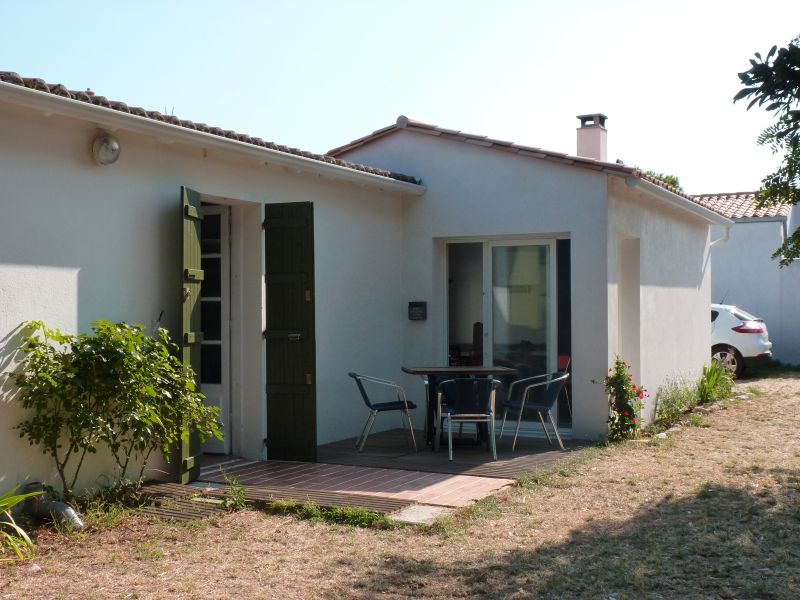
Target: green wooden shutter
{"type": "Point", "coordinates": [291, 374]}
{"type": "Point", "coordinates": [191, 334]}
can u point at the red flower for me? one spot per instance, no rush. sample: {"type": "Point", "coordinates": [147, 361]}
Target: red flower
{"type": "Point", "coordinates": [626, 414]}
{"type": "Point", "coordinates": [633, 420]}
{"type": "Point", "coordinates": [640, 394]}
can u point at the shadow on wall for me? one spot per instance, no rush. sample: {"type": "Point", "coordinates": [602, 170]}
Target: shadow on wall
{"type": "Point", "coordinates": [9, 359]}
{"type": "Point", "coordinates": [720, 542]}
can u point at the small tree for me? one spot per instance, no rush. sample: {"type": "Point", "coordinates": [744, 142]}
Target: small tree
{"type": "Point", "coordinates": [671, 180]}
{"type": "Point", "coordinates": [65, 419]}
{"type": "Point", "coordinates": [118, 387]}
{"type": "Point", "coordinates": [775, 81]}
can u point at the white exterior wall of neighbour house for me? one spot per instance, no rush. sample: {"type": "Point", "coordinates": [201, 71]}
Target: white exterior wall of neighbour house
{"type": "Point", "coordinates": [672, 326]}
{"type": "Point", "coordinates": [746, 275]}
{"type": "Point", "coordinates": [475, 192]}
{"type": "Point", "coordinates": [79, 242]}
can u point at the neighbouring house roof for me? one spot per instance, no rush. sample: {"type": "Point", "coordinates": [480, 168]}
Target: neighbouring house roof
{"type": "Point", "coordinates": [404, 122]}
{"type": "Point", "coordinates": [741, 205]}
{"type": "Point", "coordinates": [91, 98]}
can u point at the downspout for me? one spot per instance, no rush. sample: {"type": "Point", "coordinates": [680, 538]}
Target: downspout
{"type": "Point", "coordinates": [725, 237]}
{"type": "Point", "coordinates": [44, 506]}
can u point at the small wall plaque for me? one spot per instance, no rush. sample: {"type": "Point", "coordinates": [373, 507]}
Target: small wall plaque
{"type": "Point", "coordinates": [417, 311]}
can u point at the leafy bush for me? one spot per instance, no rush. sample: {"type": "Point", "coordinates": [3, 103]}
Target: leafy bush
{"type": "Point", "coordinates": [625, 401]}
{"type": "Point", "coordinates": [12, 537]}
{"type": "Point", "coordinates": [674, 399]}
{"type": "Point", "coordinates": [716, 383]}
{"type": "Point", "coordinates": [118, 387]}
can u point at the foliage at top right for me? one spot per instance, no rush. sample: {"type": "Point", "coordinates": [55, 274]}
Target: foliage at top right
{"type": "Point", "coordinates": [774, 81]}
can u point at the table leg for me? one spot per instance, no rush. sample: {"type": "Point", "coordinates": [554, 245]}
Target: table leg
{"type": "Point", "coordinates": [431, 426]}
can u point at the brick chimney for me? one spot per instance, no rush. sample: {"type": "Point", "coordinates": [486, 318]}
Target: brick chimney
{"type": "Point", "coordinates": [592, 136]}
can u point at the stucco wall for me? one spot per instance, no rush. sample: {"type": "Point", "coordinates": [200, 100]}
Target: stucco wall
{"type": "Point", "coordinates": [673, 321]}
{"type": "Point", "coordinates": [79, 242]}
{"type": "Point", "coordinates": [745, 275]}
{"type": "Point", "coordinates": [478, 192]}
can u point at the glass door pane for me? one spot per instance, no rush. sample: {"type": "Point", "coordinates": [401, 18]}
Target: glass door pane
{"type": "Point", "coordinates": [521, 311]}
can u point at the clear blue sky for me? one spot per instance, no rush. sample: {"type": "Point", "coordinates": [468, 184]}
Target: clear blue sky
{"type": "Point", "coordinates": [316, 74]}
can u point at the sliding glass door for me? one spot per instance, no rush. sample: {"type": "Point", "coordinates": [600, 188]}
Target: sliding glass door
{"type": "Point", "coordinates": [502, 305]}
{"type": "Point", "coordinates": [520, 315]}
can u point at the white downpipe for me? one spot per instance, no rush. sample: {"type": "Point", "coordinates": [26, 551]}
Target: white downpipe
{"type": "Point", "coordinates": [725, 237]}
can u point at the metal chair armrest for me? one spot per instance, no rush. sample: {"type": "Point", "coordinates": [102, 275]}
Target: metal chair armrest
{"type": "Point", "coordinates": [401, 393]}
{"type": "Point", "coordinates": [525, 381]}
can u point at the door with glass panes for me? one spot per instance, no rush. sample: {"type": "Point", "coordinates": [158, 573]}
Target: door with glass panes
{"type": "Point", "coordinates": [215, 319]}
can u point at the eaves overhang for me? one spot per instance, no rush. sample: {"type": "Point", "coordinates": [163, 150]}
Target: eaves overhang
{"type": "Point", "coordinates": [112, 120]}
{"type": "Point", "coordinates": [677, 201]}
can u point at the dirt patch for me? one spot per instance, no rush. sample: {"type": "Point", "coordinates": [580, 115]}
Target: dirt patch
{"type": "Point", "coordinates": [713, 511]}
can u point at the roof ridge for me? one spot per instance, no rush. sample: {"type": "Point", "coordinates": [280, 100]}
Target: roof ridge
{"type": "Point", "coordinates": [92, 98]}
{"type": "Point", "coordinates": [404, 122]}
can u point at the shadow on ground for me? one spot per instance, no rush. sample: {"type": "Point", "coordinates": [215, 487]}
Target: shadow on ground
{"type": "Point", "coordinates": [719, 543]}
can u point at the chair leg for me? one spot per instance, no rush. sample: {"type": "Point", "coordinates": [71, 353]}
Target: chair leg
{"type": "Point", "coordinates": [449, 438]}
{"type": "Point", "coordinates": [367, 429]}
{"type": "Point", "coordinates": [437, 433]}
{"type": "Point", "coordinates": [363, 430]}
{"type": "Point", "coordinates": [569, 402]}
{"type": "Point", "coordinates": [555, 429]}
{"type": "Point", "coordinates": [503, 424]}
{"type": "Point", "coordinates": [516, 431]}
{"type": "Point", "coordinates": [492, 439]}
{"type": "Point", "coordinates": [411, 430]}
{"type": "Point", "coordinates": [547, 433]}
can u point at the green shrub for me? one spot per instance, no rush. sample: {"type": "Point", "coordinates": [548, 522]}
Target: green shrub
{"type": "Point", "coordinates": [715, 384]}
{"type": "Point", "coordinates": [625, 401]}
{"type": "Point", "coordinates": [236, 498]}
{"type": "Point", "coordinates": [118, 387]}
{"type": "Point", "coordinates": [674, 399]}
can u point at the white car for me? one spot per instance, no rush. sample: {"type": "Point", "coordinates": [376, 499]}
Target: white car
{"type": "Point", "coordinates": [738, 339]}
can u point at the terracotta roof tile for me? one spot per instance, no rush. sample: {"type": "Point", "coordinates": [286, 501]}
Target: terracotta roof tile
{"type": "Point", "coordinates": [89, 97]}
{"type": "Point", "coordinates": [740, 205]}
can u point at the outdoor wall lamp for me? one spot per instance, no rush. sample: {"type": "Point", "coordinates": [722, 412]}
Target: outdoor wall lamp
{"type": "Point", "coordinates": [105, 149]}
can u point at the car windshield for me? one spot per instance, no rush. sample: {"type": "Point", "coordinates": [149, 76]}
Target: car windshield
{"type": "Point", "coordinates": [743, 315]}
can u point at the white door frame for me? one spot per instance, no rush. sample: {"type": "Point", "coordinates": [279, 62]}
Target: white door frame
{"type": "Point", "coordinates": [220, 394]}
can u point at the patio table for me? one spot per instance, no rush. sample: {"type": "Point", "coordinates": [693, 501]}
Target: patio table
{"type": "Point", "coordinates": [432, 375]}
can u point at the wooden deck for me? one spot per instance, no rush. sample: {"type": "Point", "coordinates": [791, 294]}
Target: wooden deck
{"type": "Point", "coordinates": [389, 450]}
{"type": "Point", "coordinates": [368, 487]}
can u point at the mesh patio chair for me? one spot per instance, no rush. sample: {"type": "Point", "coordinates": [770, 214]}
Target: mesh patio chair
{"type": "Point", "coordinates": [402, 404]}
{"type": "Point", "coordinates": [466, 400]}
{"type": "Point", "coordinates": [539, 393]}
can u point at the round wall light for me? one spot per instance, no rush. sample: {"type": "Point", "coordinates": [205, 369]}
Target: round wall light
{"type": "Point", "coordinates": [105, 149]}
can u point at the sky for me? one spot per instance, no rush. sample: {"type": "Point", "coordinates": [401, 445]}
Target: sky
{"type": "Point", "coordinates": [316, 74]}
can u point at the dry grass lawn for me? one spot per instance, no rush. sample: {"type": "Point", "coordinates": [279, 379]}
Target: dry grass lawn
{"type": "Point", "coordinates": [713, 511]}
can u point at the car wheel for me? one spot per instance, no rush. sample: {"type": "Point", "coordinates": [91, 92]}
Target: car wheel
{"type": "Point", "coordinates": [728, 357]}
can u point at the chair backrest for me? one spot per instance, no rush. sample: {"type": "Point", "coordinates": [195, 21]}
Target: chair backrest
{"type": "Point", "coordinates": [467, 395]}
{"type": "Point", "coordinates": [361, 389]}
{"type": "Point", "coordinates": [552, 390]}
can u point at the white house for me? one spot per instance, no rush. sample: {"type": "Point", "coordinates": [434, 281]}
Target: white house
{"type": "Point", "coordinates": [553, 254]}
{"type": "Point", "coordinates": [309, 262]}
{"type": "Point", "coordinates": [745, 274]}
{"type": "Point", "coordinates": [81, 242]}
